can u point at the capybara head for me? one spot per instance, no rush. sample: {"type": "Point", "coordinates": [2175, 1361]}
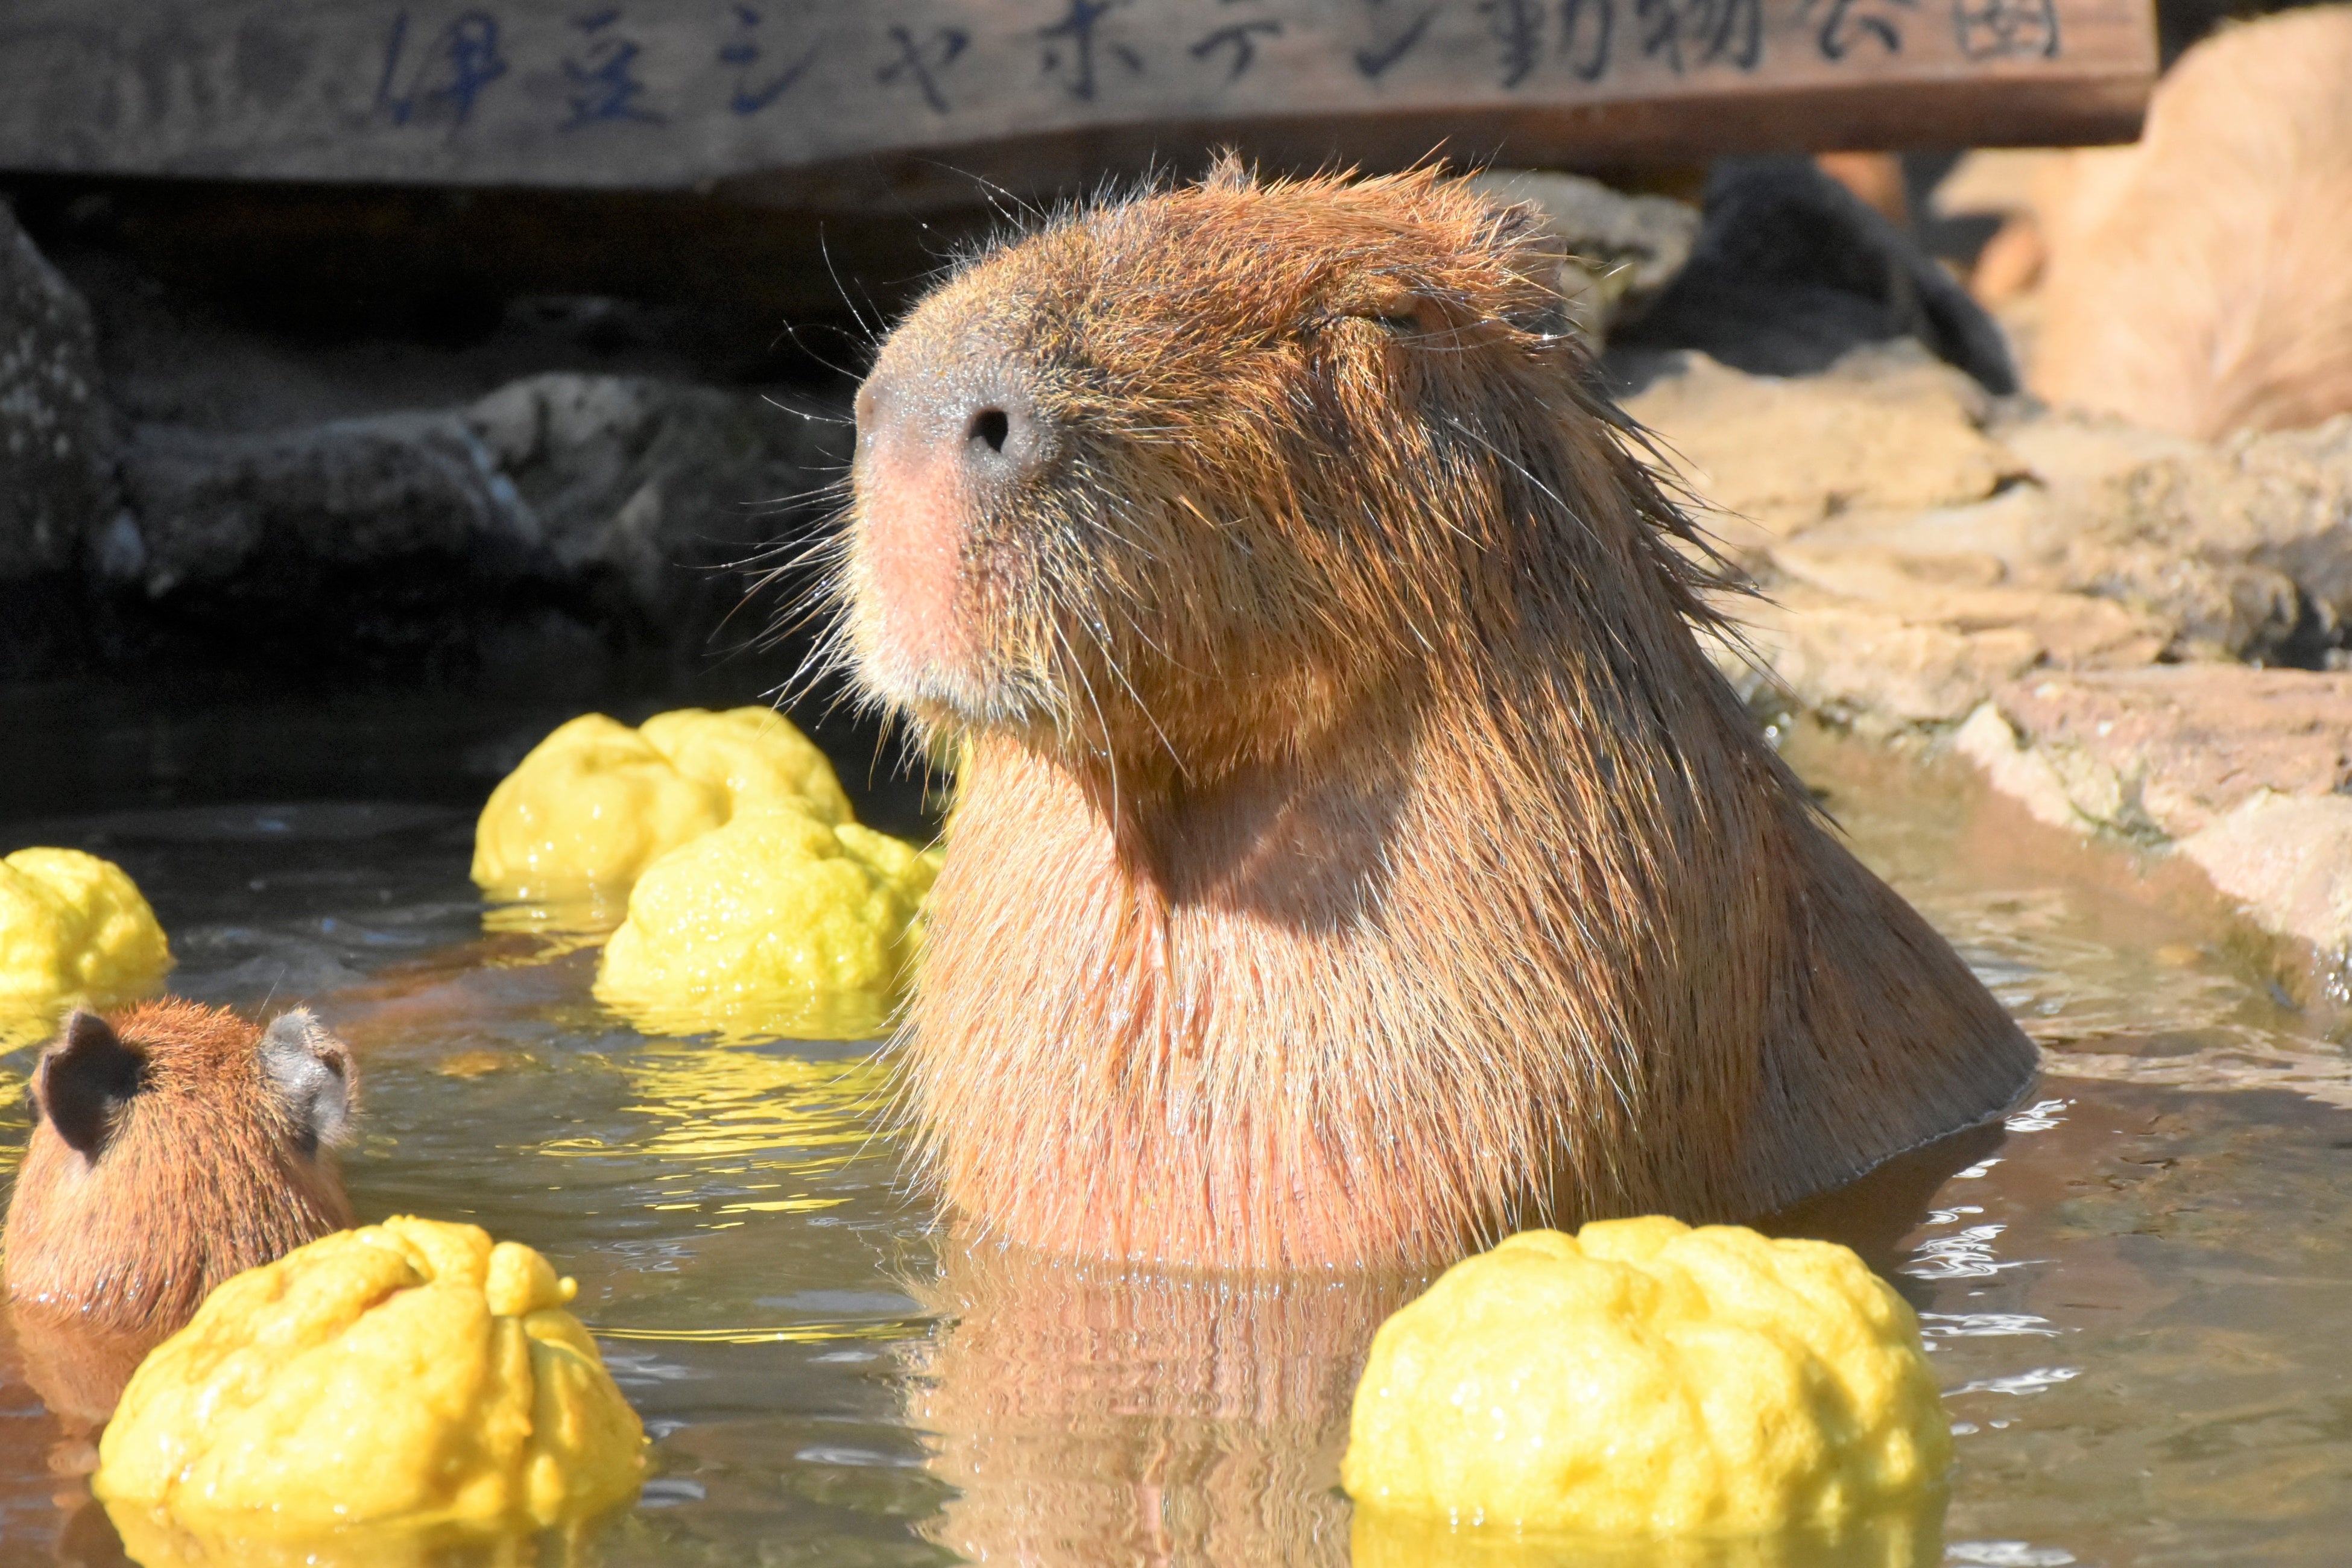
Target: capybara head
{"type": "Point", "coordinates": [176, 1145]}
{"type": "Point", "coordinates": [1183, 478]}
{"type": "Point", "coordinates": [1356, 852]}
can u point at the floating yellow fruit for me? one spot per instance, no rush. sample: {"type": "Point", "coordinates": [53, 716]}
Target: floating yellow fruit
{"type": "Point", "coordinates": [1644, 1378]}
{"type": "Point", "coordinates": [755, 754]}
{"type": "Point", "coordinates": [398, 1381]}
{"type": "Point", "coordinates": [597, 801]}
{"type": "Point", "coordinates": [73, 932]}
{"type": "Point", "coordinates": [774, 925]}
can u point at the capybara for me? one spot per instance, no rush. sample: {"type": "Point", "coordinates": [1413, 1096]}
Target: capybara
{"type": "Point", "coordinates": [1355, 853]}
{"type": "Point", "coordinates": [1791, 271]}
{"type": "Point", "coordinates": [177, 1144]}
{"type": "Point", "coordinates": [2196, 282]}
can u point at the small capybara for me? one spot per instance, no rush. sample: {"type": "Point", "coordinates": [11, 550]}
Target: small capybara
{"type": "Point", "coordinates": [177, 1144]}
{"type": "Point", "coordinates": [2196, 283]}
{"type": "Point", "coordinates": [1355, 853]}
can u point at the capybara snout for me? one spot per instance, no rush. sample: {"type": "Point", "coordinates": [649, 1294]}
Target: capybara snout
{"type": "Point", "coordinates": [176, 1145]}
{"type": "Point", "coordinates": [975, 411]}
{"type": "Point", "coordinates": [945, 439]}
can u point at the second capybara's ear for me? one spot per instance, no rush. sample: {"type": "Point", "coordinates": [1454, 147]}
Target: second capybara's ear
{"type": "Point", "coordinates": [83, 1080]}
{"type": "Point", "coordinates": [312, 1071]}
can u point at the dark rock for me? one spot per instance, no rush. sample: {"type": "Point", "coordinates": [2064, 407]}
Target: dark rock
{"type": "Point", "coordinates": [1791, 271]}
{"type": "Point", "coordinates": [651, 486]}
{"type": "Point", "coordinates": [57, 441]}
{"type": "Point", "coordinates": [275, 516]}
{"type": "Point", "coordinates": [56, 457]}
{"type": "Point", "coordinates": [563, 500]}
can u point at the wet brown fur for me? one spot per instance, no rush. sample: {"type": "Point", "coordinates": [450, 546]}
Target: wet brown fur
{"type": "Point", "coordinates": [200, 1178]}
{"type": "Point", "coordinates": [1355, 853]}
{"type": "Point", "coordinates": [2197, 283]}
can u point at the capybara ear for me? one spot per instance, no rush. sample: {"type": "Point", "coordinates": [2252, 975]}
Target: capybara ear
{"type": "Point", "coordinates": [83, 1080]}
{"type": "Point", "coordinates": [312, 1071]}
{"type": "Point", "coordinates": [1226, 172]}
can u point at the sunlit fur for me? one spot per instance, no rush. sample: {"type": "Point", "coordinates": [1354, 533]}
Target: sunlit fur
{"type": "Point", "coordinates": [1355, 854]}
{"type": "Point", "coordinates": [203, 1175]}
{"type": "Point", "coordinates": [2198, 283]}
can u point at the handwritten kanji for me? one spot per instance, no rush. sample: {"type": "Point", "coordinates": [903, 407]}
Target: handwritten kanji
{"type": "Point", "coordinates": [920, 60]}
{"type": "Point", "coordinates": [1518, 26]}
{"type": "Point", "coordinates": [1237, 38]}
{"type": "Point", "coordinates": [1587, 30]}
{"type": "Point", "coordinates": [1847, 22]}
{"type": "Point", "coordinates": [1078, 27]}
{"type": "Point", "coordinates": [2006, 29]}
{"type": "Point", "coordinates": [753, 93]}
{"type": "Point", "coordinates": [1373, 61]}
{"type": "Point", "coordinates": [450, 71]}
{"type": "Point", "coordinates": [604, 75]}
{"type": "Point", "coordinates": [1688, 33]}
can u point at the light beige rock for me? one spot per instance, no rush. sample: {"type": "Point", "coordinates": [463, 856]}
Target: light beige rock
{"type": "Point", "coordinates": [2241, 551]}
{"type": "Point", "coordinates": [2289, 857]}
{"type": "Point", "coordinates": [2260, 516]}
{"type": "Point", "coordinates": [1888, 428]}
{"type": "Point", "coordinates": [2204, 738]}
{"type": "Point", "coordinates": [2062, 786]}
{"type": "Point", "coordinates": [1931, 656]}
{"type": "Point", "coordinates": [2245, 769]}
{"type": "Point", "coordinates": [1928, 561]}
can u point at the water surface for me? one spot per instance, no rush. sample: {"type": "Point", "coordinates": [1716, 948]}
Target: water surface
{"type": "Point", "coordinates": [2137, 1294]}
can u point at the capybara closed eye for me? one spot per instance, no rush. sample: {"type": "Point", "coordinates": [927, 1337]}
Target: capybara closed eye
{"type": "Point", "coordinates": [1355, 851]}
{"type": "Point", "coordinates": [176, 1145]}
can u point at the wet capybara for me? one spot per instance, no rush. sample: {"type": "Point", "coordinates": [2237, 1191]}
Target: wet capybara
{"type": "Point", "coordinates": [2196, 282]}
{"type": "Point", "coordinates": [1355, 852]}
{"type": "Point", "coordinates": [176, 1145]}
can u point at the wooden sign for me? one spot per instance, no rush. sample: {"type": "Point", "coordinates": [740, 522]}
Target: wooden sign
{"type": "Point", "coordinates": [869, 101]}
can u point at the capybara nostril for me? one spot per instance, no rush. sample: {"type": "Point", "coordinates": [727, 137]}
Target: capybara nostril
{"type": "Point", "coordinates": [976, 414]}
{"type": "Point", "coordinates": [998, 428]}
{"type": "Point", "coordinates": [989, 426]}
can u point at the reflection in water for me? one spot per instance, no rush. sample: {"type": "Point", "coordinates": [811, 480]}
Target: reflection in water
{"type": "Point", "coordinates": [1089, 1414]}
{"type": "Point", "coordinates": [156, 1542]}
{"type": "Point", "coordinates": [78, 1370]}
{"type": "Point", "coordinates": [765, 1119]}
{"type": "Point", "coordinates": [1910, 1538]}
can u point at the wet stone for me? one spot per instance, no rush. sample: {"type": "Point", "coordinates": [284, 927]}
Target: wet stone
{"type": "Point", "coordinates": [57, 437]}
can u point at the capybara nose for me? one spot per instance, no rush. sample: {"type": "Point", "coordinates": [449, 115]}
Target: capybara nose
{"type": "Point", "coordinates": [978, 422]}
